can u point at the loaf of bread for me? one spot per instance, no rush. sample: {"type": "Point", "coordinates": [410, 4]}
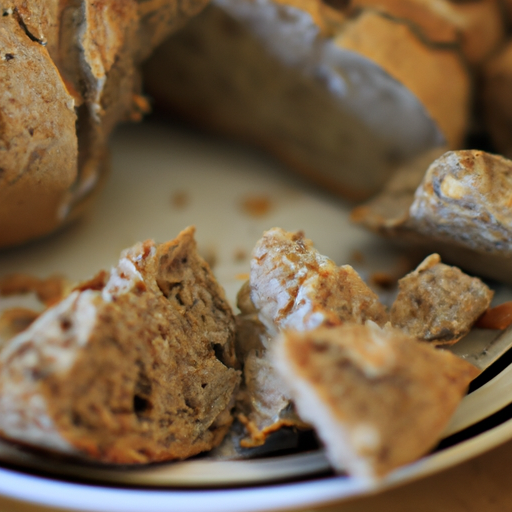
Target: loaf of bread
{"type": "Point", "coordinates": [342, 92]}
{"type": "Point", "coordinates": [68, 75]}
{"type": "Point", "coordinates": [377, 398]}
{"type": "Point", "coordinates": [136, 369]}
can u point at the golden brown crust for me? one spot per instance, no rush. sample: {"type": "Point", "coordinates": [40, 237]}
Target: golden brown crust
{"type": "Point", "coordinates": [476, 27]}
{"type": "Point", "coordinates": [38, 148]}
{"type": "Point", "coordinates": [68, 75]}
{"type": "Point", "coordinates": [420, 68]}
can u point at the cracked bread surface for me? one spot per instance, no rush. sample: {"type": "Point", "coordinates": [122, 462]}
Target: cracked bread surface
{"type": "Point", "coordinates": [141, 370]}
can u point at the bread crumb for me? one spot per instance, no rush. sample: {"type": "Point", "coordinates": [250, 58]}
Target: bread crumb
{"type": "Point", "coordinates": [256, 206]}
{"type": "Point", "coordinates": [357, 257]}
{"type": "Point", "coordinates": [240, 255]}
{"type": "Point", "coordinates": [383, 280]}
{"type": "Point", "coordinates": [49, 291]}
{"type": "Point", "coordinates": [180, 200]}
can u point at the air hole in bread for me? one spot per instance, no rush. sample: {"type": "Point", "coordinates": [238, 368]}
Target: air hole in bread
{"type": "Point", "coordinates": [140, 404]}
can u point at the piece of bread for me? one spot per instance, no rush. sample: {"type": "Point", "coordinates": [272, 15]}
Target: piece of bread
{"type": "Point", "coordinates": [342, 92]}
{"type": "Point", "coordinates": [458, 206]}
{"type": "Point", "coordinates": [438, 303]}
{"type": "Point", "coordinates": [135, 370]}
{"type": "Point", "coordinates": [377, 398]}
{"type": "Point", "coordinates": [291, 286]}
{"type": "Point", "coordinates": [68, 74]}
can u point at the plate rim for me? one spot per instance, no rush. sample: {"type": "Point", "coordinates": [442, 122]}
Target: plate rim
{"type": "Point", "coordinates": [47, 491]}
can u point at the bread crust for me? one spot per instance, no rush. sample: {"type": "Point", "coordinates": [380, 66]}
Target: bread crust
{"type": "Point", "coordinates": [68, 75]}
{"type": "Point", "coordinates": [458, 206]}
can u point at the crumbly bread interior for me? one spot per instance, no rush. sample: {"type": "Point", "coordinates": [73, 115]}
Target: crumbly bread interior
{"type": "Point", "coordinates": [142, 370]}
{"type": "Point", "coordinates": [439, 303]}
{"type": "Point", "coordinates": [291, 286]}
{"type": "Point", "coordinates": [377, 398]}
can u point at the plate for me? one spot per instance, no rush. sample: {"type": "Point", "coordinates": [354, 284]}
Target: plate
{"type": "Point", "coordinates": [163, 179]}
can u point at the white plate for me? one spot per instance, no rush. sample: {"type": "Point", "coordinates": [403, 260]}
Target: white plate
{"type": "Point", "coordinates": [162, 180]}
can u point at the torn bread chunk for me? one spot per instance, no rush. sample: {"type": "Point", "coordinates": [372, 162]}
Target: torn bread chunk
{"type": "Point", "coordinates": [439, 303]}
{"type": "Point", "coordinates": [377, 398]}
{"type": "Point", "coordinates": [460, 209]}
{"type": "Point", "coordinates": [294, 286]}
{"type": "Point", "coordinates": [291, 286]}
{"type": "Point", "coordinates": [138, 371]}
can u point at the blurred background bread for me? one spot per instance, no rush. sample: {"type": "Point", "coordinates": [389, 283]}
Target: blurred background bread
{"type": "Point", "coordinates": [68, 74]}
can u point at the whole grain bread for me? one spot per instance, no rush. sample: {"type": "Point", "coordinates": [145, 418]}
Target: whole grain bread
{"type": "Point", "coordinates": [377, 398]}
{"type": "Point", "coordinates": [439, 303]}
{"type": "Point", "coordinates": [140, 370]}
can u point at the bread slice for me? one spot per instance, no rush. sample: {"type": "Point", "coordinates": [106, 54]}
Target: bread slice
{"type": "Point", "coordinates": [137, 370]}
{"type": "Point", "coordinates": [438, 303]}
{"type": "Point", "coordinates": [457, 206]}
{"type": "Point", "coordinates": [291, 286]}
{"type": "Point", "coordinates": [342, 92]}
{"type": "Point", "coordinates": [377, 398]}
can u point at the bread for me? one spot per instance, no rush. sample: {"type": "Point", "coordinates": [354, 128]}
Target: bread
{"type": "Point", "coordinates": [140, 370]}
{"type": "Point", "coordinates": [68, 75]}
{"type": "Point", "coordinates": [438, 303]}
{"type": "Point", "coordinates": [458, 206]}
{"type": "Point", "coordinates": [291, 286]}
{"type": "Point", "coordinates": [342, 92]}
{"type": "Point", "coordinates": [377, 398]}
{"type": "Point", "coordinates": [496, 105]}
